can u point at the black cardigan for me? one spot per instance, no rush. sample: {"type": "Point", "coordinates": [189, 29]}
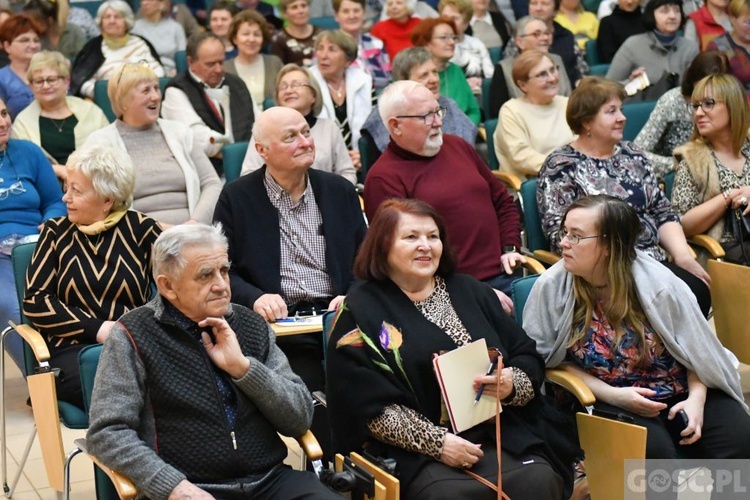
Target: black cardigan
{"type": "Point", "coordinates": [358, 390]}
{"type": "Point", "coordinates": [251, 224]}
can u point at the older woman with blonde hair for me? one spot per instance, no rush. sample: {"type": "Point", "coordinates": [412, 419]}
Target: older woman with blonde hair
{"type": "Point", "coordinates": [109, 246]}
{"type": "Point", "coordinates": [175, 181]}
{"type": "Point", "coordinates": [102, 55]}
{"type": "Point", "coordinates": [57, 122]}
{"type": "Point", "coordinates": [249, 32]}
{"type": "Point", "coordinates": [296, 88]}
{"type": "Point", "coordinates": [348, 98]}
{"type": "Point", "coordinates": [713, 173]}
{"type": "Point", "coordinates": [519, 146]}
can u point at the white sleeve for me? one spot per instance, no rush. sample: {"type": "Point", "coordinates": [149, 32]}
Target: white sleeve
{"type": "Point", "coordinates": [176, 106]}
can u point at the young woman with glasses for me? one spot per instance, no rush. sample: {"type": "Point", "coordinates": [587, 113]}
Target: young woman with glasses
{"type": "Point", "coordinates": [631, 331]}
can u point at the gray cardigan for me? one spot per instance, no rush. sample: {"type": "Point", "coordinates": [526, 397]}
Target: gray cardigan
{"type": "Point", "coordinates": [671, 310]}
{"type": "Point", "coordinates": [645, 50]}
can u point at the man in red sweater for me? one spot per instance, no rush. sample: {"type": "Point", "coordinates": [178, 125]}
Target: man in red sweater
{"type": "Point", "coordinates": [420, 162]}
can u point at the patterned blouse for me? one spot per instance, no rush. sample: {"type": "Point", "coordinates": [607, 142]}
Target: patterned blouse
{"type": "Point", "coordinates": [685, 194]}
{"type": "Point", "coordinates": [597, 354]}
{"type": "Point", "coordinates": [404, 427]}
{"type": "Point", "coordinates": [739, 58]}
{"type": "Point", "coordinates": [294, 50]}
{"type": "Point", "coordinates": [568, 175]}
{"type": "Point", "coordinates": [670, 125]}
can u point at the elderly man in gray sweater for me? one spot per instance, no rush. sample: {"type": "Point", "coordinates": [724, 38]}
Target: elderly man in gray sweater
{"type": "Point", "coordinates": [192, 390]}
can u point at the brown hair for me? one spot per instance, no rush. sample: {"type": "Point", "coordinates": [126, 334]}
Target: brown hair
{"type": "Point", "coordinates": [342, 40]}
{"type": "Point", "coordinates": [462, 6]}
{"type": "Point", "coordinates": [284, 4]}
{"type": "Point", "coordinates": [421, 35]}
{"type": "Point", "coordinates": [704, 64]}
{"type": "Point", "coordinates": [590, 95]}
{"type": "Point", "coordinates": [337, 4]}
{"type": "Point", "coordinates": [527, 61]}
{"type": "Point", "coordinates": [372, 260]}
{"type": "Point", "coordinates": [17, 25]}
{"type": "Point", "coordinates": [250, 17]}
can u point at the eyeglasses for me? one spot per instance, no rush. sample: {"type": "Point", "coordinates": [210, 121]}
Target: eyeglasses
{"type": "Point", "coordinates": [537, 34]}
{"type": "Point", "coordinates": [428, 118]}
{"type": "Point", "coordinates": [706, 104]}
{"type": "Point", "coordinates": [446, 38]}
{"type": "Point", "coordinates": [574, 239]}
{"type": "Point", "coordinates": [26, 40]}
{"type": "Point", "coordinates": [543, 75]}
{"type": "Point", "coordinates": [15, 188]}
{"type": "Point", "coordinates": [293, 86]}
{"type": "Point", "coordinates": [50, 81]}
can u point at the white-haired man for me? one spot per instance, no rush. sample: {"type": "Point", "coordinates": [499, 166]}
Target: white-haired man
{"type": "Point", "coordinates": [443, 170]}
{"type": "Point", "coordinates": [191, 390]}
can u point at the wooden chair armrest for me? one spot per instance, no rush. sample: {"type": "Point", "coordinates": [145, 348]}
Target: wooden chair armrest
{"type": "Point", "coordinates": [712, 246]}
{"type": "Point", "coordinates": [546, 256]}
{"type": "Point", "coordinates": [510, 180]}
{"type": "Point", "coordinates": [125, 488]}
{"type": "Point", "coordinates": [35, 341]}
{"type": "Point", "coordinates": [534, 266]}
{"type": "Point", "coordinates": [573, 384]}
{"type": "Point", "coordinates": [310, 446]}
{"type": "Point", "coordinates": [482, 132]}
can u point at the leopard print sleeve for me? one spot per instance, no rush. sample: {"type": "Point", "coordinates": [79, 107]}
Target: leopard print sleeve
{"type": "Point", "coordinates": [403, 427]}
{"type": "Point", "coordinates": [523, 389]}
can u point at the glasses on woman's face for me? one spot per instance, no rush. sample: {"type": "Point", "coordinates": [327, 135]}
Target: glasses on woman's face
{"type": "Point", "coordinates": [51, 81]}
{"type": "Point", "coordinates": [575, 239]}
{"type": "Point", "coordinates": [15, 188]}
{"type": "Point", "coordinates": [293, 85]}
{"type": "Point", "coordinates": [446, 38]}
{"type": "Point", "coordinates": [706, 104]}
{"type": "Point", "coordinates": [538, 34]}
{"type": "Point", "coordinates": [428, 118]}
{"type": "Point", "coordinates": [548, 73]}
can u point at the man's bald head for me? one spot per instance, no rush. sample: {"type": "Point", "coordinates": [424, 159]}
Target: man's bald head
{"type": "Point", "coordinates": [282, 138]}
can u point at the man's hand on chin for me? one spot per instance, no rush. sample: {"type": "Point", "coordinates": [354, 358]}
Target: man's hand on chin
{"type": "Point", "coordinates": [186, 490]}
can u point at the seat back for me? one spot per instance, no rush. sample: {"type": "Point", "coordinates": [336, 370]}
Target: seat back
{"type": "Point", "coordinates": [668, 184]}
{"type": "Point", "coordinates": [495, 54]}
{"type": "Point", "coordinates": [325, 22]}
{"type": "Point", "coordinates": [592, 53]}
{"type": "Point", "coordinates": [535, 237]}
{"type": "Point", "coordinates": [730, 296]}
{"type": "Point", "coordinates": [180, 61]}
{"type": "Point", "coordinates": [637, 114]}
{"type": "Point", "coordinates": [101, 99]}
{"type": "Point", "coordinates": [608, 443]}
{"type": "Point", "coordinates": [21, 257]}
{"type": "Point", "coordinates": [519, 292]}
{"type": "Point", "coordinates": [490, 126]}
{"type": "Point", "coordinates": [232, 156]}
{"type": "Point", "coordinates": [486, 104]}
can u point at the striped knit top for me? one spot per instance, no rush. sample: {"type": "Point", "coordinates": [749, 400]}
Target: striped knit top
{"type": "Point", "coordinates": [76, 281]}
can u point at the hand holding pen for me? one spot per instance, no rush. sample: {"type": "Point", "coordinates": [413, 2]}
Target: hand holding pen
{"type": "Point", "coordinates": [493, 380]}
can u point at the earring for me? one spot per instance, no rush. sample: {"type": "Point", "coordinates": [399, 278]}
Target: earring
{"type": "Point", "coordinates": [588, 133]}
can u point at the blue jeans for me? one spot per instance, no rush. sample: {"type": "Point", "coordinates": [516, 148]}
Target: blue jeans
{"type": "Point", "coordinates": [9, 310]}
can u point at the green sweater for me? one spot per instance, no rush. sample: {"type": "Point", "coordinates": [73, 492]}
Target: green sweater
{"type": "Point", "coordinates": [453, 84]}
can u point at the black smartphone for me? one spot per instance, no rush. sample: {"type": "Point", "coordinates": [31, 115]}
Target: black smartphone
{"type": "Point", "coordinates": [620, 417]}
{"type": "Point", "coordinates": [678, 424]}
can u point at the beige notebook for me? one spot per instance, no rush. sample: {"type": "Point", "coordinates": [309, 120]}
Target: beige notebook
{"type": "Point", "coordinates": [455, 372]}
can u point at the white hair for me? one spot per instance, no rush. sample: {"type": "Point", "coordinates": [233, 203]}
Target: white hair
{"type": "Point", "coordinates": [119, 6]}
{"type": "Point", "coordinates": [395, 98]}
{"type": "Point", "coordinates": [167, 254]}
{"type": "Point", "coordinates": [110, 170]}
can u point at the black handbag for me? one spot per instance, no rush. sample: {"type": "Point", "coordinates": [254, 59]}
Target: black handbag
{"type": "Point", "coordinates": [737, 251]}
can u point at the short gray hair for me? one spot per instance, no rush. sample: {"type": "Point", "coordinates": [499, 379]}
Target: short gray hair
{"type": "Point", "coordinates": [169, 246]}
{"type": "Point", "coordinates": [395, 98]}
{"type": "Point", "coordinates": [406, 60]}
{"type": "Point", "coordinates": [110, 170]}
{"type": "Point", "coordinates": [409, 4]}
{"type": "Point", "coordinates": [523, 22]}
{"type": "Point", "coordinates": [119, 6]}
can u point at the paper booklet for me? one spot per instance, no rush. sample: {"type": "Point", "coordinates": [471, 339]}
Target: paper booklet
{"type": "Point", "coordinates": [455, 371]}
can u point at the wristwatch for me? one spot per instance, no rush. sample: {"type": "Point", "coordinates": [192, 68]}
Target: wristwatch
{"type": "Point", "coordinates": [509, 248]}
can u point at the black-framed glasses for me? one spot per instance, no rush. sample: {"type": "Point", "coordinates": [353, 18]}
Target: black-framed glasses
{"type": "Point", "coordinates": [548, 73]}
{"type": "Point", "coordinates": [575, 239]}
{"type": "Point", "coordinates": [428, 118]}
{"type": "Point", "coordinates": [51, 81]}
{"type": "Point", "coordinates": [293, 86]}
{"type": "Point", "coordinates": [706, 104]}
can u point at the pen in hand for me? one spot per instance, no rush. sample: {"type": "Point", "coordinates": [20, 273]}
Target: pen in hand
{"type": "Point", "coordinates": [490, 369]}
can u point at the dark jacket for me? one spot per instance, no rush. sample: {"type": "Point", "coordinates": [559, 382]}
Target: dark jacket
{"type": "Point", "coordinates": [90, 59]}
{"type": "Point", "coordinates": [251, 224]}
{"type": "Point", "coordinates": [501, 25]}
{"type": "Point", "coordinates": [614, 29]}
{"type": "Point", "coordinates": [564, 45]}
{"type": "Point", "coordinates": [240, 104]}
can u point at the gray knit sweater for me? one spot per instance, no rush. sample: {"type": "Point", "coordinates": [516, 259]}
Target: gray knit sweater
{"type": "Point", "coordinates": [121, 421]}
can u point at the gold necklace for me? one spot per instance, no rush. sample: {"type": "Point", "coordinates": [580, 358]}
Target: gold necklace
{"type": "Point", "coordinates": [61, 125]}
{"type": "Point", "coordinates": [339, 91]}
